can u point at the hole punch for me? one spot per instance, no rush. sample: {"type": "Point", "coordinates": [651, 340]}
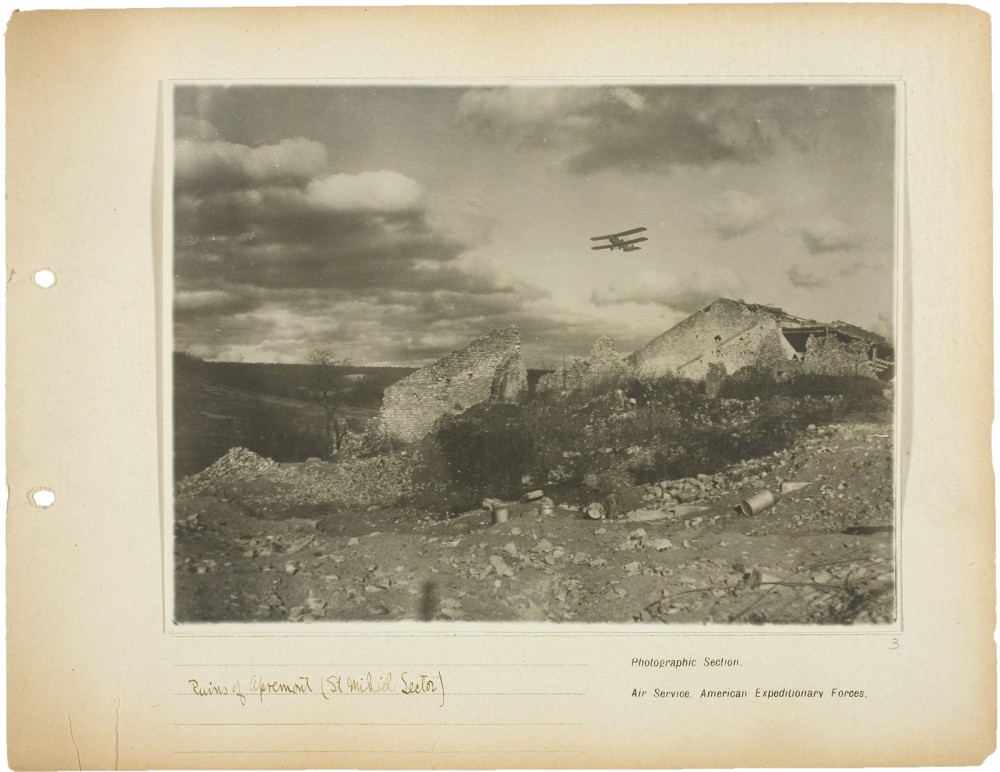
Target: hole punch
{"type": "Point", "coordinates": [43, 498]}
{"type": "Point", "coordinates": [44, 278]}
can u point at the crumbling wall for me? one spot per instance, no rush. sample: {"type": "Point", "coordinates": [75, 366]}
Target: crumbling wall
{"type": "Point", "coordinates": [603, 364]}
{"type": "Point", "coordinates": [490, 367]}
{"type": "Point", "coordinates": [827, 355]}
{"type": "Point", "coordinates": [688, 347]}
{"type": "Point", "coordinates": [762, 345]}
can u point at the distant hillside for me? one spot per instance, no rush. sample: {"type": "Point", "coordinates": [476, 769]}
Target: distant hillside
{"type": "Point", "coordinates": [210, 418]}
{"type": "Point", "coordinates": [291, 380]}
{"type": "Point", "coordinates": [263, 407]}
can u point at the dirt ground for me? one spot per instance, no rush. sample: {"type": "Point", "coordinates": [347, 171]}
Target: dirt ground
{"type": "Point", "coordinates": [249, 548]}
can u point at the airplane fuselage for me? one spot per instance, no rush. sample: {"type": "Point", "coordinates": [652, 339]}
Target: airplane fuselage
{"type": "Point", "coordinates": [624, 246]}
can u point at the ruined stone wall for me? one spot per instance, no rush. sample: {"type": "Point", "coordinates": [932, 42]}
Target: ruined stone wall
{"type": "Point", "coordinates": [827, 355]}
{"type": "Point", "coordinates": [490, 367]}
{"type": "Point", "coordinates": [604, 363]}
{"type": "Point", "coordinates": [690, 344]}
{"type": "Point", "coordinates": [759, 345]}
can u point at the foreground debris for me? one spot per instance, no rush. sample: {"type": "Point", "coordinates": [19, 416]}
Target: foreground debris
{"type": "Point", "coordinates": [262, 541]}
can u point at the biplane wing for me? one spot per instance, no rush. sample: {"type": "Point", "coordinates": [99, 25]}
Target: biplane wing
{"type": "Point", "coordinates": [617, 235]}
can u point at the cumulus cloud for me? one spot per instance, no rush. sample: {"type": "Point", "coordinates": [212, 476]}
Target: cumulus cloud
{"type": "Point", "coordinates": [386, 326]}
{"type": "Point", "coordinates": [734, 213]}
{"type": "Point", "coordinates": [806, 279]}
{"type": "Point", "coordinates": [826, 234]}
{"type": "Point", "coordinates": [275, 254]}
{"type": "Point", "coordinates": [383, 191]}
{"type": "Point", "coordinates": [687, 294]}
{"type": "Point", "coordinates": [214, 302]}
{"type": "Point", "coordinates": [699, 126]}
{"type": "Point", "coordinates": [215, 164]}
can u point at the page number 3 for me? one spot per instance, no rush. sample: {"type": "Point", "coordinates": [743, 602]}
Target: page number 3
{"type": "Point", "coordinates": [895, 644]}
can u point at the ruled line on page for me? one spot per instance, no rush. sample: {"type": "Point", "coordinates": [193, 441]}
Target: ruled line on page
{"type": "Point", "coordinates": [401, 694]}
{"type": "Point", "coordinates": [445, 752]}
{"type": "Point", "coordinates": [398, 664]}
{"type": "Point", "coordinates": [379, 723]}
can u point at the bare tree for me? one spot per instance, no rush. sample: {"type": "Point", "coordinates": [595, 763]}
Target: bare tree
{"type": "Point", "coordinates": [324, 391]}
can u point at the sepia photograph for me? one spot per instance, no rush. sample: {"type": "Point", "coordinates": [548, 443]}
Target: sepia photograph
{"type": "Point", "coordinates": [534, 351]}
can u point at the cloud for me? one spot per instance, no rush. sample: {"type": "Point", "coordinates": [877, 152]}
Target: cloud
{"type": "Point", "coordinates": [384, 191]}
{"type": "Point", "coordinates": [805, 279]}
{"type": "Point", "coordinates": [644, 128]}
{"type": "Point", "coordinates": [849, 269]}
{"type": "Point", "coordinates": [687, 294]}
{"type": "Point", "coordinates": [364, 231]}
{"type": "Point", "coordinates": [826, 234]}
{"type": "Point", "coordinates": [734, 213]}
{"type": "Point", "coordinates": [383, 326]}
{"type": "Point", "coordinates": [215, 164]}
{"type": "Point", "coordinates": [275, 255]}
{"type": "Point", "coordinates": [214, 302]}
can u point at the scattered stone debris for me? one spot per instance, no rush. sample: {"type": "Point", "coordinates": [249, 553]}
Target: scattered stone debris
{"type": "Point", "coordinates": [822, 555]}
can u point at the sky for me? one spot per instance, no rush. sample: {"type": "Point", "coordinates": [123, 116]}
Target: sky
{"type": "Point", "coordinates": [391, 224]}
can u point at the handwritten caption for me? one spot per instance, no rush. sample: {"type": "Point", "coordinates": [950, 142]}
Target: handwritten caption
{"type": "Point", "coordinates": [258, 687]}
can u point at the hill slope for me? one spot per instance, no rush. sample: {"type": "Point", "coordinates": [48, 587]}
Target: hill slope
{"type": "Point", "coordinates": [210, 418]}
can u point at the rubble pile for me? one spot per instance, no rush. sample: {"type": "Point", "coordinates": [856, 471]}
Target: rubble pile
{"type": "Point", "coordinates": [359, 482]}
{"type": "Point", "coordinates": [238, 462]}
{"type": "Point", "coordinates": [823, 554]}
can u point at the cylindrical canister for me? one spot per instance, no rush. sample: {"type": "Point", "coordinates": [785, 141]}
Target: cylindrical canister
{"type": "Point", "coordinates": [501, 514]}
{"type": "Point", "coordinates": [545, 509]}
{"type": "Point", "coordinates": [757, 503]}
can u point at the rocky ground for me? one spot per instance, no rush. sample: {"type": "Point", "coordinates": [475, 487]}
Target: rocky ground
{"type": "Point", "coordinates": [260, 541]}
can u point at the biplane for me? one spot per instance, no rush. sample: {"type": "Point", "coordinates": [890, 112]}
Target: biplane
{"type": "Point", "coordinates": [621, 241]}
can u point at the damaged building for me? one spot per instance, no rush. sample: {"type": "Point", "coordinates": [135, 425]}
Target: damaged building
{"type": "Point", "coordinates": [488, 368]}
{"type": "Point", "coordinates": [603, 364]}
{"type": "Point", "coordinates": [735, 334]}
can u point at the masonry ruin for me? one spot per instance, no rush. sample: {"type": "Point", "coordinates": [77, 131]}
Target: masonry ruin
{"type": "Point", "coordinates": [603, 364]}
{"type": "Point", "coordinates": [732, 334]}
{"type": "Point", "coordinates": [488, 368]}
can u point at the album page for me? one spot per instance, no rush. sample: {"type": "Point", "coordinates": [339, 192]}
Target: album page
{"type": "Point", "coordinates": [576, 387]}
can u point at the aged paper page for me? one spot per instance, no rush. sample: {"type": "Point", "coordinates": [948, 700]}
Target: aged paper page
{"type": "Point", "coordinates": [214, 182]}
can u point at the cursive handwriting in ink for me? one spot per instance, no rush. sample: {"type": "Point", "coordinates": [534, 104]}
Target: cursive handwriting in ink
{"type": "Point", "coordinates": [215, 690]}
{"type": "Point", "coordinates": [370, 684]}
{"type": "Point", "coordinates": [423, 684]}
{"type": "Point", "coordinates": [261, 686]}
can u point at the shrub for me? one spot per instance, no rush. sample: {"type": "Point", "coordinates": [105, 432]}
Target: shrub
{"type": "Point", "coordinates": [484, 451]}
{"type": "Point", "coordinates": [274, 432]}
{"type": "Point", "coordinates": [714, 379]}
{"type": "Point", "coordinates": [591, 445]}
{"type": "Point", "coordinates": [749, 382]}
{"type": "Point", "coordinates": [850, 386]}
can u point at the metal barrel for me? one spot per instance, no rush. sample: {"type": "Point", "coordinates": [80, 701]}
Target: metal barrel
{"type": "Point", "coordinates": [757, 503]}
{"type": "Point", "coordinates": [501, 514]}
